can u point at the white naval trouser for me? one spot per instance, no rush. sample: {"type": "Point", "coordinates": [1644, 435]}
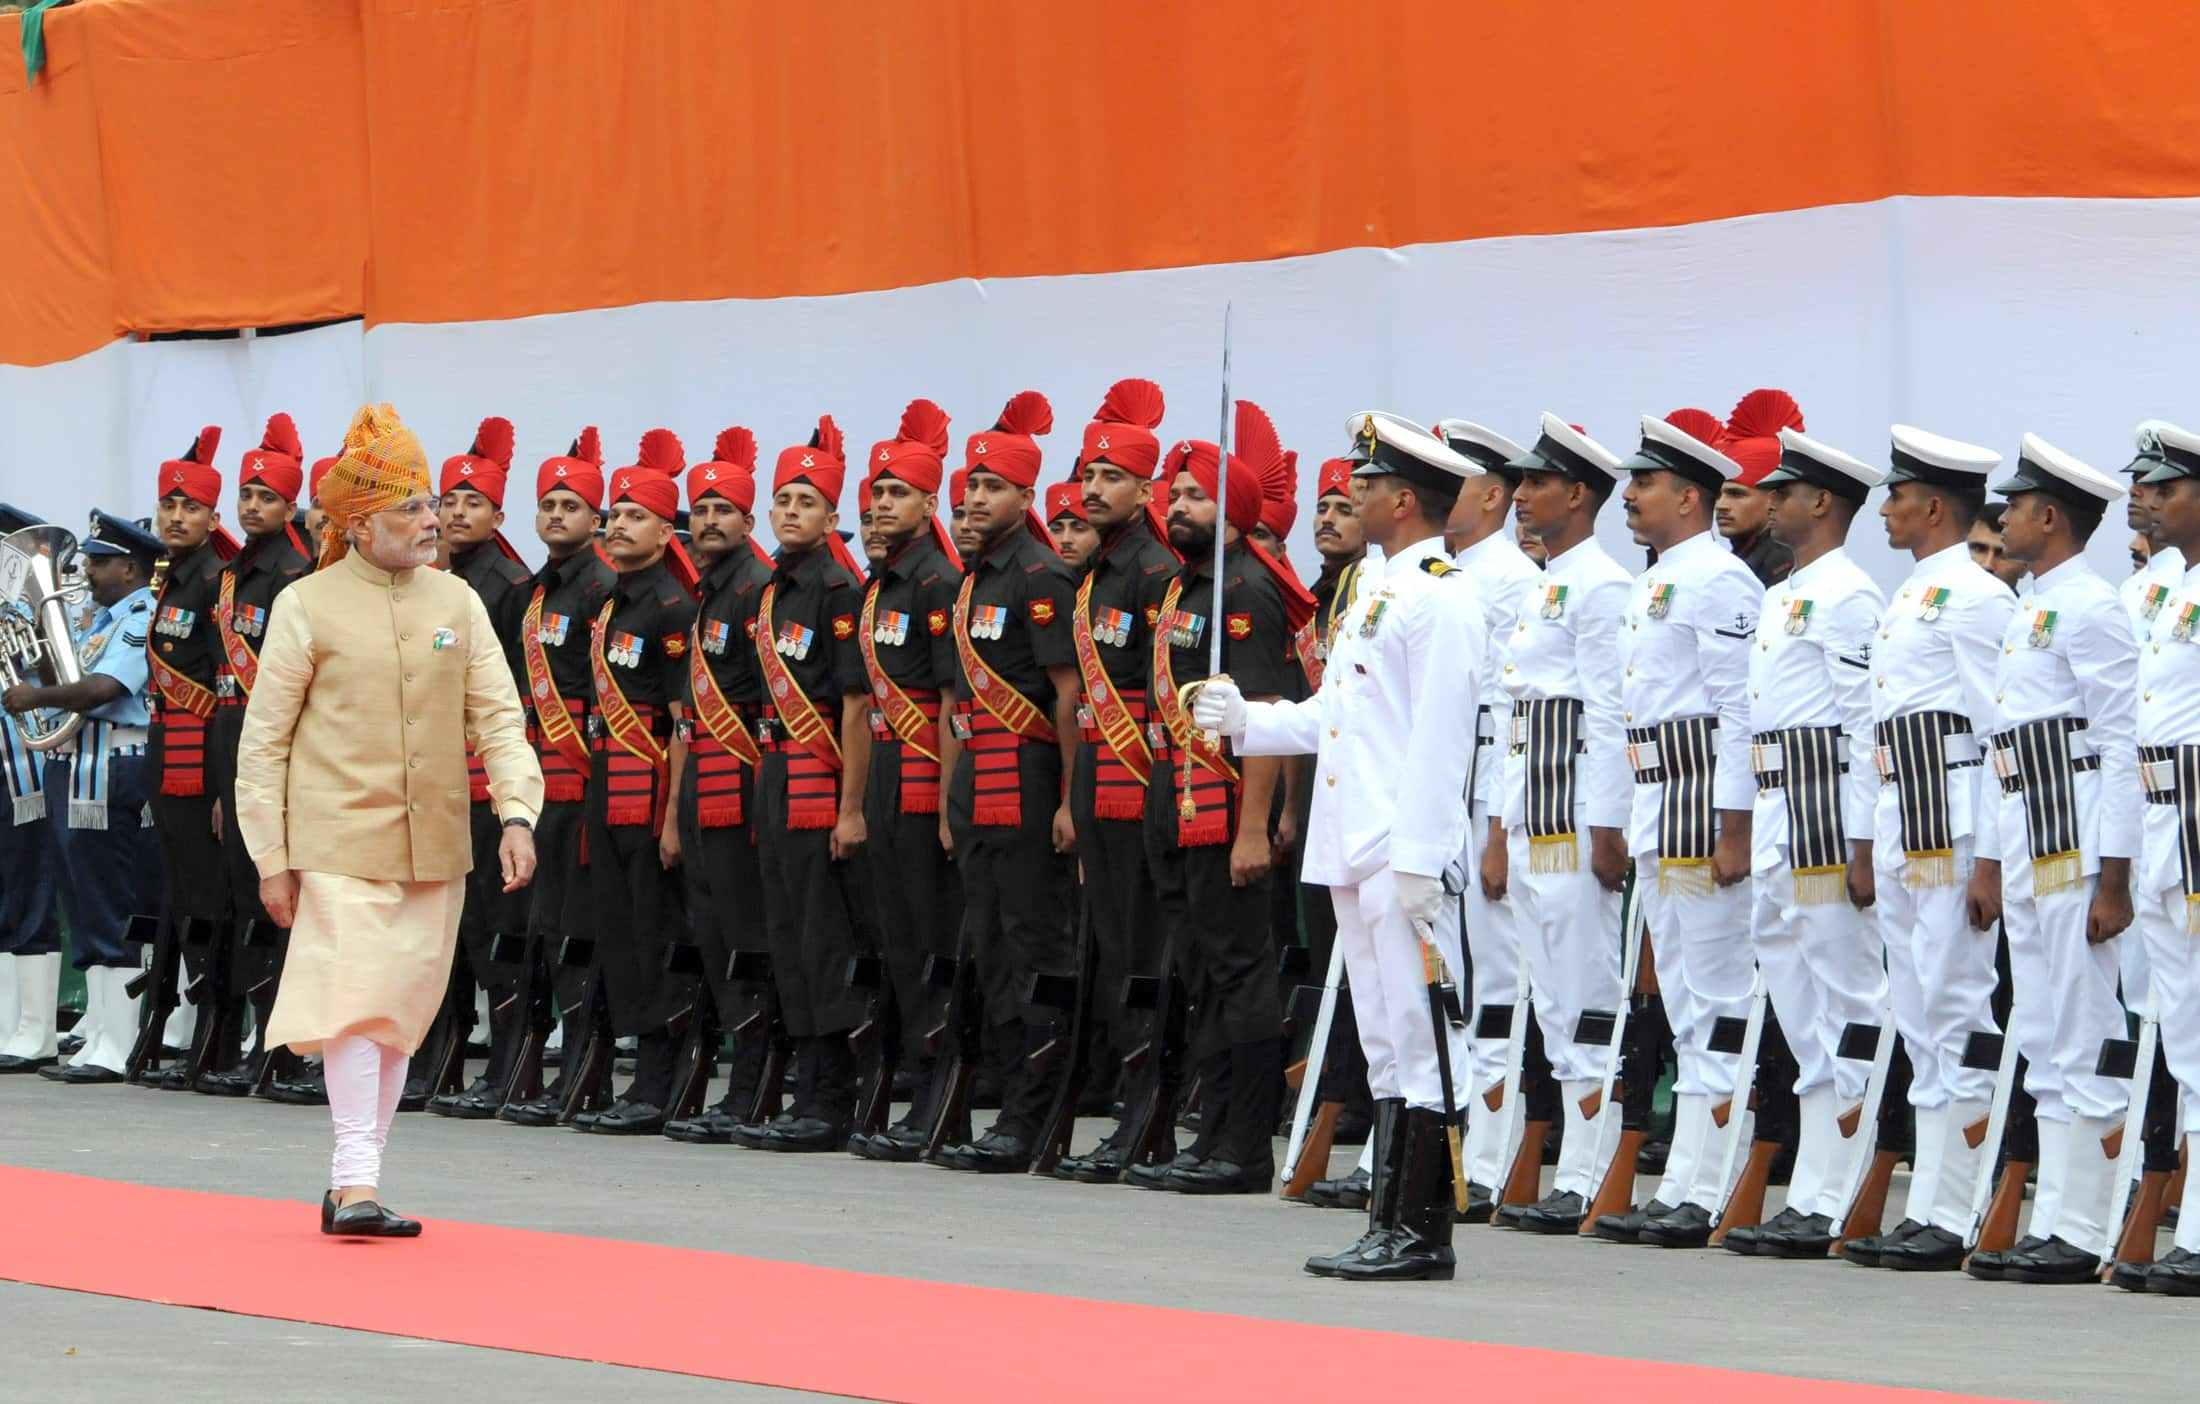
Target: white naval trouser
{"type": "Point", "coordinates": [1705, 972]}
{"type": "Point", "coordinates": [1570, 927]}
{"type": "Point", "coordinates": [1822, 971]}
{"type": "Point", "coordinates": [2159, 926]}
{"type": "Point", "coordinates": [1493, 951]}
{"type": "Point", "coordinates": [1940, 976]}
{"type": "Point", "coordinates": [1382, 959]}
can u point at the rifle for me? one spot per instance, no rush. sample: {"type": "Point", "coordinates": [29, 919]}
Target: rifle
{"type": "Point", "coordinates": [1071, 993]}
{"type": "Point", "coordinates": [1741, 1202]}
{"type": "Point", "coordinates": [698, 1027]}
{"type": "Point", "coordinates": [1514, 1023]}
{"type": "Point", "coordinates": [2132, 1220]}
{"type": "Point", "coordinates": [872, 1042]}
{"type": "Point", "coordinates": [1870, 1170]}
{"type": "Point", "coordinates": [1994, 1218]}
{"type": "Point", "coordinates": [1623, 1076]}
{"type": "Point", "coordinates": [155, 987]}
{"type": "Point", "coordinates": [220, 1021]}
{"type": "Point", "coordinates": [590, 1089]}
{"type": "Point", "coordinates": [536, 1002]}
{"type": "Point", "coordinates": [1149, 1122]}
{"type": "Point", "coordinates": [1306, 1154]}
{"type": "Point", "coordinates": [755, 968]}
{"type": "Point", "coordinates": [956, 1042]}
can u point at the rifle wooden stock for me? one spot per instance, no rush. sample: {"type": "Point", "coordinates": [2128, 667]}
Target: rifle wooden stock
{"type": "Point", "coordinates": [1617, 1194]}
{"type": "Point", "coordinates": [2136, 1244]}
{"type": "Point", "coordinates": [1745, 1207]}
{"type": "Point", "coordinates": [1314, 1155]}
{"type": "Point", "coordinates": [1524, 1183]}
{"type": "Point", "coordinates": [1868, 1211]}
{"type": "Point", "coordinates": [1998, 1230]}
{"type": "Point", "coordinates": [1294, 1076]}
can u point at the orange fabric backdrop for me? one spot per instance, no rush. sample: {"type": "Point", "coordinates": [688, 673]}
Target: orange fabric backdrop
{"type": "Point", "coordinates": [244, 162]}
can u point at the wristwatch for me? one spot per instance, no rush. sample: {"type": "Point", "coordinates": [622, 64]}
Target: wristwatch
{"type": "Point", "coordinates": [517, 822]}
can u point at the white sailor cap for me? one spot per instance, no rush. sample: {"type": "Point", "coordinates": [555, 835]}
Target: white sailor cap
{"type": "Point", "coordinates": [1390, 445]}
{"type": "Point", "coordinates": [1485, 446]}
{"type": "Point", "coordinates": [1668, 449]}
{"type": "Point", "coordinates": [1561, 448]}
{"type": "Point", "coordinates": [1936, 461]}
{"type": "Point", "coordinates": [2041, 467]}
{"type": "Point", "coordinates": [2166, 453]}
{"type": "Point", "coordinates": [1805, 460]}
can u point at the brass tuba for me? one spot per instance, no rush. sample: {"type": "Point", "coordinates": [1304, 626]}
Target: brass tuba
{"type": "Point", "coordinates": [41, 583]}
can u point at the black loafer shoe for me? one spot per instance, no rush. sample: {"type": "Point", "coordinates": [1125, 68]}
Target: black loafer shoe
{"type": "Point", "coordinates": [2053, 1262]}
{"type": "Point", "coordinates": [1793, 1235]}
{"type": "Point", "coordinates": [1689, 1226]}
{"type": "Point", "coordinates": [1627, 1227]}
{"type": "Point", "coordinates": [2175, 1274]}
{"type": "Point", "coordinates": [1930, 1249]}
{"type": "Point", "coordinates": [994, 1153]}
{"type": "Point", "coordinates": [1556, 1212]}
{"type": "Point", "coordinates": [1222, 1177]}
{"type": "Point", "coordinates": [13, 1064]}
{"type": "Point", "coordinates": [1156, 1175]}
{"type": "Point", "coordinates": [79, 1074]}
{"type": "Point", "coordinates": [628, 1119]}
{"type": "Point", "coordinates": [713, 1128]}
{"type": "Point", "coordinates": [1864, 1252]}
{"type": "Point", "coordinates": [1348, 1193]}
{"type": "Point", "coordinates": [236, 1082]}
{"type": "Point", "coordinates": [1481, 1206]}
{"type": "Point", "coordinates": [368, 1219]}
{"type": "Point", "coordinates": [2130, 1277]}
{"type": "Point", "coordinates": [413, 1098]}
{"type": "Point", "coordinates": [804, 1135]}
{"type": "Point", "coordinates": [1103, 1167]}
{"type": "Point", "coordinates": [305, 1091]}
{"type": "Point", "coordinates": [1986, 1265]}
{"type": "Point", "coordinates": [751, 1133]}
{"type": "Point", "coordinates": [1507, 1215]}
{"type": "Point", "coordinates": [896, 1144]}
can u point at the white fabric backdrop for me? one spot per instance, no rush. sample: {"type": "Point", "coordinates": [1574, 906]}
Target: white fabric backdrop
{"type": "Point", "coordinates": [1977, 318]}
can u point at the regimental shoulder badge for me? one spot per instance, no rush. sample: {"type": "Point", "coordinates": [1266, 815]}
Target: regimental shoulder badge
{"type": "Point", "coordinates": [2043, 628]}
{"type": "Point", "coordinates": [844, 626]}
{"type": "Point", "coordinates": [2157, 596]}
{"type": "Point", "coordinates": [1439, 567]}
{"type": "Point", "coordinates": [936, 621]}
{"type": "Point", "coordinates": [1042, 612]}
{"type": "Point", "coordinates": [1661, 601]}
{"type": "Point", "coordinates": [1935, 600]}
{"type": "Point", "coordinates": [1554, 601]}
{"type": "Point", "coordinates": [1240, 626]}
{"type": "Point", "coordinates": [674, 645]}
{"type": "Point", "coordinates": [1798, 616]}
{"type": "Point", "coordinates": [1153, 616]}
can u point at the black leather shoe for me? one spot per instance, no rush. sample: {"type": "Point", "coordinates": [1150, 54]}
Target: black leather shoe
{"type": "Point", "coordinates": [628, 1119]}
{"type": "Point", "coordinates": [1222, 1177]}
{"type": "Point", "coordinates": [174, 1078]}
{"type": "Point", "coordinates": [1627, 1227]}
{"type": "Point", "coordinates": [1689, 1226]}
{"type": "Point", "coordinates": [1930, 1249]}
{"type": "Point", "coordinates": [1481, 1205]}
{"type": "Point", "coordinates": [1556, 1212]}
{"type": "Point", "coordinates": [542, 1111]}
{"type": "Point", "coordinates": [476, 1103]}
{"type": "Point", "coordinates": [1792, 1235]}
{"type": "Point", "coordinates": [1326, 1264]}
{"type": "Point", "coordinates": [236, 1082]}
{"type": "Point", "coordinates": [1156, 1175]}
{"type": "Point", "coordinates": [306, 1090]}
{"type": "Point", "coordinates": [751, 1133]}
{"type": "Point", "coordinates": [804, 1135]}
{"type": "Point", "coordinates": [994, 1153]}
{"type": "Point", "coordinates": [2052, 1262]}
{"type": "Point", "coordinates": [2131, 1277]}
{"type": "Point", "coordinates": [1865, 1252]}
{"type": "Point", "coordinates": [413, 1098]}
{"type": "Point", "coordinates": [896, 1144]}
{"type": "Point", "coordinates": [1103, 1167]}
{"type": "Point", "coordinates": [1348, 1193]}
{"type": "Point", "coordinates": [1399, 1256]}
{"type": "Point", "coordinates": [69, 1043]}
{"type": "Point", "coordinates": [1650, 1160]}
{"type": "Point", "coordinates": [713, 1128]}
{"type": "Point", "coordinates": [368, 1219]}
{"type": "Point", "coordinates": [1744, 1239]}
{"type": "Point", "coordinates": [13, 1064]}
{"type": "Point", "coordinates": [1507, 1215]}
{"type": "Point", "coordinates": [2175, 1274]}
{"type": "Point", "coordinates": [79, 1073]}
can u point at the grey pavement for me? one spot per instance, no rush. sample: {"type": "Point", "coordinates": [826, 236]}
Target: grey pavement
{"type": "Point", "coordinates": [1236, 1254]}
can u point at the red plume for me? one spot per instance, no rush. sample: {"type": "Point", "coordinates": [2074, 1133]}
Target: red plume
{"type": "Point", "coordinates": [736, 446]}
{"type": "Point", "coordinates": [1133, 402]}
{"type": "Point", "coordinates": [588, 448]}
{"type": "Point", "coordinates": [828, 438]}
{"type": "Point", "coordinates": [1279, 482]}
{"type": "Point", "coordinates": [924, 423]}
{"type": "Point", "coordinates": [1701, 425]}
{"type": "Point", "coordinates": [1762, 414]}
{"type": "Point", "coordinates": [202, 448]}
{"type": "Point", "coordinates": [1254, 440]}
{"type": "Point", "coordinates": [282, 437]}
{"type": "Point", "coordinates": [493, 441]}
{"type": "Point", "coordinates": [661, 452]}
{"type": "Point", "coordinates": [1028, 413]}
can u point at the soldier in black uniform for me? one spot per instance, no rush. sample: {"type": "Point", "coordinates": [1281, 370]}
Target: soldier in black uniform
{"type": "Point", "coordinates": [811, 828]}
{"type": "Point", "coordinates": [471, 514]}
{"type": "Point", "coordinates": [638, 660]}
{"type": "Point", "coordinates": [1111, 624]}
{"type": "Point", "coordinates": [184, 654]}
{"type": "Point", "coordinates": [569, 592]}
{"type": "Point", "coordinates": [1010, 749]}
{"type": "Point", "coordinates": [909, 663]}
{"type": "Point", "coordinates": [1207, 835]}
{"type": "Point", "coordinates": [274, 554]}
{"type": "Point", "coordinates": [714, 784]}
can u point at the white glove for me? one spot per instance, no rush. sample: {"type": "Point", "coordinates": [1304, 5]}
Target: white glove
{"type": "Point", "coordinates": [1219, 707]}
{"type": "Point", "coordinates": [1420, 898]}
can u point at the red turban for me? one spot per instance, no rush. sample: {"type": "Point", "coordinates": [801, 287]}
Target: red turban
{"type": "Point", "coordinates": [647, 486]}
{"type": "Point", "coordinates": [1336, 476]}
{"type": "Point", "coordinates": [917, 454]}
{"type": "Point", "coordinates": [957, 483]}
{"type": "Point", "coordinates": [320, 471]}
{"type": "Point", "coordinates": [731, 472]}
{"type": "Point", "coordinates": [1008, 450]}
{"type": "Point", "coordinates": [1122, 428]}
{"type": "Point", "coordinates": [652, 491]}
{"type": "Point", "coordinates": [1254, 440]}
{"type": "Point", "coordinates": [486, 466]}
{"type": "Point", "coordinates": [1066, 500]}
{"type": "Point", "coordinates": [1752, 432]}
{"type": "Point", "coordinates": [194, 475]}
{"type": "Point", "coordinates": [817, 463]}
{"type": "Point", "coordinates": [580, 471]}
{"type": "Point", "coordinates": [1200, 458]}
{"type": "Point", "coordinates": [275, 463]}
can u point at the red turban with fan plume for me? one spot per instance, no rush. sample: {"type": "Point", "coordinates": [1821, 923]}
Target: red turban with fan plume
{"type": "Point", "coordinates": [579, 470]}
{"type": "Point", "coordinates": [276, 463]}
{"type": "Point", "coordinates": [1753, 432]}
{"type": "Point", "coordinates": [484, 467]}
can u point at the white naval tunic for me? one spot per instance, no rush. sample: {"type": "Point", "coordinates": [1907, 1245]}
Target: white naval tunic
{"type": "Point", "coordinates": [2144, 592]}
{"type": "Point", "coordinates": [2169, 715]}
{"type": "Point", "coordinates": [1685, 654]}
{"type": "Point", "coordinates": [1811, 667]}
{"type": "Point", "coordinates": [1392, 733]}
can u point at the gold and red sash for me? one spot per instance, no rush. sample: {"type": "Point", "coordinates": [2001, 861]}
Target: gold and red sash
{"type": "Point", "coordinates": [239, 659]}
{"type": "Point", "coordinates": [625, 802]}
{"type": "Point", "coordinates": [554, 725]}
{"type": "Point", "coordinates": [813, 770]}
{"type": "Point", "coordinates": [1008, 706]}
{"type": "Point", "coordinates": [716, 714]}
{"type": "Point", "coordinates": [1203, 800]}
{"type": "Point", "coordinates": [185, 706]}
{"type": "Point", "coordinates": [917, 730]}
{"type": "Point", "coordinates": [1119, 730]}
{"type": "Point", "coordinates": [721, 748]}
{"type": "Point", "coordinates": [1311, 647]}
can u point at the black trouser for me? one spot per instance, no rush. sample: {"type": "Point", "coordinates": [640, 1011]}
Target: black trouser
{"type": "Point", "coordinates": [916, 896]}
{"type": "Point", "coordinates": [1018, 912]}
{"type": "Point", "coordinates": [557, 907]}
{"type": "Point", "coordinates": [491, 912]}
{"type": "Point", "coordinates": [811, 902]}
{"type": "Point", "coordinates": [634, 913]}
{"type": "Point", "coordinates": [725, 914]}
{"type": "Point", "coordinates": [1126, 925]}
{"type": "Point", "coordinates": [194, 881]}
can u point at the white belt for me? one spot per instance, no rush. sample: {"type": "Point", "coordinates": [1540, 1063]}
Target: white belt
{"type": "Point", "coordinates": [1960, 747]}
{"type": "Point", "coordinates": [1644, 755]}
{"type": "Point", "coordinates": [1767, 757]}
{"type": "Point", "coordinates": [2005, 757]}
{"type": "Point", "coordinates": [2158, 777]}
{"type": "Point", "coordinates": [1516, 733]}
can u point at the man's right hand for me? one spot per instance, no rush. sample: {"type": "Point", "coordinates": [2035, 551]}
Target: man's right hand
{"type": "Point", "coordinates": [1983, 900]}
{"type": "Point", "coordinates": [1608, 857]}
{"type": "Point", "coordinates": [947, 837]}
{"type": "Point", "coordinates": [217, 820]}
{"type": "Point", "coordinates": [1496, 865]}
{"type": "Point", "coordinates": [279, 894]}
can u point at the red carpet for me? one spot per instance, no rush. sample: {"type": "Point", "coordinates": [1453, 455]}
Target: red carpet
{"type": "Point", "coordinates": [772, 1323]}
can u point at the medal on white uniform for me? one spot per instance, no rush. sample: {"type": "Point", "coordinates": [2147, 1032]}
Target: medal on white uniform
{"type": "Point", "coordinates": [1661, 601]}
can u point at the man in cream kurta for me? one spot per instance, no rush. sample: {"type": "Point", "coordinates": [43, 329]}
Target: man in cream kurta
{"type": "Point", "coordinates": [375, 675]}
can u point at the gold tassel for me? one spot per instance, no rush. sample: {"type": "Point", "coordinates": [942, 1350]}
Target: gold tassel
{"type": "Point", "coordinates": [1554, 853]}
{"type": "Point", "coordinates": [1820, 887]}
{"type": "Point", "coordinates": [1685, 877]}
{"type": "Point", "coordinates": [2058, 872]}
{"type": "Point", "coordinates": [2192, 915]}
{"type": "Point", "coordinates": [1186, 807]}
{"type": "Point", "coordinates": [1932, 867]}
